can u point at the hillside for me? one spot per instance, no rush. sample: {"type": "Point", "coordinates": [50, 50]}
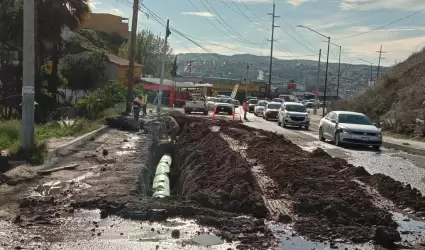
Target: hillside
{"type": "Point", "coordinates": [398, 99]}
{"type": "Point", "coordinates": [354, 78]}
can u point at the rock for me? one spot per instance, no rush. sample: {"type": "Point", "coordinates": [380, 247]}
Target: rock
{"type": "Point", "coordinates": [284, 218]}
{"type": "Point", "coordinates": [234, 206]}
{"type": "Point", "coordinates": [92, 138]}
{"type": "Point", "coordinates": [17, 219]}
{"type": "Point", "coordinates": [125, 140]}
{"type": "Point", "coordinates": [105, 152]}
{"type": "Point", "coordinates": [175, 233]}
{"type": "Point", "coordinates": [386, 236]}
{"type": "Point", "coordinates": [103, 214]}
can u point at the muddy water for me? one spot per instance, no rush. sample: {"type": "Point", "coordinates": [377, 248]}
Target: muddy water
{"type": "Point", "coordinates": [85, 230]}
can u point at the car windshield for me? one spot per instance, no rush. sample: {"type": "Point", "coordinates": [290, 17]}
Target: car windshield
{"type": "Point", "coordinates": [354, 119]}
{"type": "Point", "coordinates": [253, 101]}
{"type": "Point", "coordinates": [273, 106]}
{"type": "Point", "coordinates": [296, 108]}
{"type": "Point", "coordinates": [225, 100]}
{"type": "Point", "coordinates": [262, 104]}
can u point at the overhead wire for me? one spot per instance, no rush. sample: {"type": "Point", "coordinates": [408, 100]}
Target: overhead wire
{"type": "Point", "coordinates": [382, 26]}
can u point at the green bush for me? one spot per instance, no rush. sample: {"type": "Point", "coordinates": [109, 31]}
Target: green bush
{"type": "Point", "coordinates": [102, 98]}
{"type": "Point", "coordinates": [10, 132]}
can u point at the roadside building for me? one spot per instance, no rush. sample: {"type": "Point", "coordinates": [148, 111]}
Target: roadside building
{"type": "Point", "coordinates": [108, 23]}
{"type": "Point", "coordinates": [118, 69]}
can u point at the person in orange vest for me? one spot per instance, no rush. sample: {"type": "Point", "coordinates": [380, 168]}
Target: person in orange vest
{"type": "Point", "coordinates": [245, 109]}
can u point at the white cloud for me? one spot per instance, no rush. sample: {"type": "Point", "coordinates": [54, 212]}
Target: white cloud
{"type": "Point", "coordinates": [412, 5]}
{"type": "Point", "coordinates": [93, 4]}
{"type": "Point", "coordinates": [199, 13]}
{"type": "Point", "coordinates": [297, 2]}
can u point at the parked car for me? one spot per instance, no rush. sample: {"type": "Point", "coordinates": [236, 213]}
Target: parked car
{"type": "Point", "coordinates": [322, 104]}
{"type": "Point", "coordinates": [260, 107]}
{"type": "Point", "coordinates": [293, 114]}
{"type": "Point", "coordinates": [196, 103]}
{"type": "Point", "coordinates": [224, 105]}
{"type": "Point", "coordinates": [236, 103]}
{"type": "Point", "coordinates": [344, 127]}
{"type": "Point", "coordinates": [251, 104]}
{"type": "Point", "coordinates": [280, 100]}
{"type": "Point", "coordinates": [309, 104]}
{"type": "Point", "coordinates": [271, 111]}
{"type": "Point", "coordinates": [210, 102]}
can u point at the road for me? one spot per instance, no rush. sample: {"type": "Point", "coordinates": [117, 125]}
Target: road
{"type": "Point", "coordinates": [396, 164]}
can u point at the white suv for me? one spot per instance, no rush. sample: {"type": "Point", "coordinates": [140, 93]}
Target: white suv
{"type": "Point", "coordinates": [293, 114]}
{"type": "Point", "coordinates": [260, 107]}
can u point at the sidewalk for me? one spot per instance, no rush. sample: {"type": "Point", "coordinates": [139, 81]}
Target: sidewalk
{"type": "Point", "coordinates": [409, 146]}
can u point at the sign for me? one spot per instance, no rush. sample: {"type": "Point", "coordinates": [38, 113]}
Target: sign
{"type": "Point", "coordinates": [292, 86]}
{"type": "Point", "coordinates": [315, 91]}
{"type": "Point", "coordinates": [235, 90]}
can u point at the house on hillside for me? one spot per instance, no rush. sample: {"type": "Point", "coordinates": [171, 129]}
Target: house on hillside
{"type": "Point", "coordinates": [107, 23]}
{"type": "Point", "coordinates": [118, 69]}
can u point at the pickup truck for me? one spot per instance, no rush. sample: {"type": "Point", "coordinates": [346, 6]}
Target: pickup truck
{"type": "Point", "coordinates": [196, 103]}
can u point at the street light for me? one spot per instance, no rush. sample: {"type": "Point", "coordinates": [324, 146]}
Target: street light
{"type": "Point", "coordinates": [327, 63]}
{"type": "Point", "coordinates": [371, 67]}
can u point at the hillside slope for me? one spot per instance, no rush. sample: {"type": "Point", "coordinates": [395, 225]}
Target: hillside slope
{"type": "Point", "coordinates": [354, 78]}
{"type": "Point", "coordinates": [398, 98]}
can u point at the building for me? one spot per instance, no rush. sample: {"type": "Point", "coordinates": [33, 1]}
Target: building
{"type": "Point", "coordinates": [118, 69]}
{"type": "Point", "coordinates": [107, 23]}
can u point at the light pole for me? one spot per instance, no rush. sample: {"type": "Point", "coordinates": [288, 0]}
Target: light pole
{"type": "Point", "coordinates": [339, 69]}
{"type": "Point", "coordinates": [327, 64]}
{"type": "Point", "coordinates": [371, 68]}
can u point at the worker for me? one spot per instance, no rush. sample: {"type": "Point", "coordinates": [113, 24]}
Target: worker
{"type": "Point", "coordinates": [137, 105]}
{"type": "Point", "coordinates": [172, 128]}
{"type": "Point", "coordinates": [143, 104]}
{"type": "Point", "coordinates": [245, 109]}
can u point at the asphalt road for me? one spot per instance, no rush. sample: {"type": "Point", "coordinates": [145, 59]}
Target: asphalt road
{"type": "Point", "coordinates": [396, 164]}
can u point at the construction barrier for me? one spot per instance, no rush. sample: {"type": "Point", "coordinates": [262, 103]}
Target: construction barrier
{"type": "Point", "coordinates": [214, 113]}
{"type": "Point", "coordinates": [161, 182]}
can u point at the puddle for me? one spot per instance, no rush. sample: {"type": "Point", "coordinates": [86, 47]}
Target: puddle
{"type": "Point", "coordinates": [287, 240]}
{"type": "Point", "coordinates": [53, 188]}
{"type": "Point", "coordinates": [85, 230]}
{"type": "Point", "coordinates": [412, 231]}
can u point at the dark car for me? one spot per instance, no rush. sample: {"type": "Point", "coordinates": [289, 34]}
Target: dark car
{"type": "Point", "coordinates": [251, 105]}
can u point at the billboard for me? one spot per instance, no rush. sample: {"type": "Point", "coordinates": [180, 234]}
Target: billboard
{"type": "Point", "coordinates": [292, 86]}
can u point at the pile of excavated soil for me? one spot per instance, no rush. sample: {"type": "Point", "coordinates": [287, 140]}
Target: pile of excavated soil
{"type": "Point", "coordinates": [329, 203]}
{"type": "Point", "coordinates": [215, 176]}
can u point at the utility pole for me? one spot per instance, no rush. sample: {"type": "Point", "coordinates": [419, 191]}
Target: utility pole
{"type": "Point", "coordinates": [246, 80]}
{"type": "Point", "coordinates": [164, 54]}
{"type": "Point", "coordinates": [27, 137]}
{"type": "Point", "coordinates": [379, 61]}
{"type": "Point", "coordinates": [317, 83]}
{"type": "Point", "coordinates": [339, 72]}
{"type": "Point", "coordinates": [271, 51]}
{"type": "Point", "coordinates": [326, 77]}
{"type": "Point", "coordinates": [131, 53]}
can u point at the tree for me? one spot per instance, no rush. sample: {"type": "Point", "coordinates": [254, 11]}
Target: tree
{"type": "Point", "coordinates": [84, 71]}
{"type": "Point", "coordinates": [148, 52]}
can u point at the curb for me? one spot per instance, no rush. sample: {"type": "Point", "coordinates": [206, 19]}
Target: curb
{"type": "Point", "coordinates": [404, 148]}
{"type": "Point", "coordinates": [75, 142]}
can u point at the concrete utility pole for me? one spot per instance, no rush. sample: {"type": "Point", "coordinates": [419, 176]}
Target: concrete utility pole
{"type": "Point", "coordinates": [27, 137]}
{"type": "Point", "coordinates": [132, 51]}
{"type": "Point", "coordinates": [164, 54]}
{"type": "Point", "coordinates": [317, 83]}
{"type": "Point", "coordinates": [246, 80]}
{"type": "Point", "coordinates": [379, 61]}
{"type": "Point", "coordinates": [271, 51]}
{"type": "Point", "coordinates": [339, 72]}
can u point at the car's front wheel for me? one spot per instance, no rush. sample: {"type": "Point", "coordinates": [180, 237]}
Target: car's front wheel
{"type": "Point", "coordinates": [321, 138]}
{"type": "Point", "coordinates": [377, 148]}
{"type": "Point", "coordinates": [337, 139]}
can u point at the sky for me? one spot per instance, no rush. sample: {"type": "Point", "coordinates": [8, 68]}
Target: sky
{"type": "Point", "coordinates": [244, 26]}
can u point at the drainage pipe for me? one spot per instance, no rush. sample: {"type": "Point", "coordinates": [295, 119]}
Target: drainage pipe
{"type": "Point", "coordinates": [161, 181]}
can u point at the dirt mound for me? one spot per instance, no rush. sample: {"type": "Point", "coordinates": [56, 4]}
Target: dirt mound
{"type": "Point", "coordinates": [402, 195]}
{"type": "Point", "coordinates": [215, 176]}
{"type": "Point", "coordinates": [328, 202]}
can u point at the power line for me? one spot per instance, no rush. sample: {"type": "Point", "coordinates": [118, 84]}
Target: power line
{"type": "Point", "coordinates": [382, 26]}
{"type": "Point", "coordinates": [226, 24]}
{"type": "Point", "coordinates": [262, 18]}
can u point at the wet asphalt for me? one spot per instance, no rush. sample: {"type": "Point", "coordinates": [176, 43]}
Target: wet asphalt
{"type": "Point", "coordinates": [400, 166]}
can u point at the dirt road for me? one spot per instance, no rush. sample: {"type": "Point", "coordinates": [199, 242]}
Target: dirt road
{"type": "Point", "coordinates": [232, 186]}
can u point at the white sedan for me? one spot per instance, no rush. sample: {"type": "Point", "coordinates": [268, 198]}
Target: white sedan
{"type": "Point", "coordinates": [260, 107]}
{"type": "Point", "coordinates": [344, 127]}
